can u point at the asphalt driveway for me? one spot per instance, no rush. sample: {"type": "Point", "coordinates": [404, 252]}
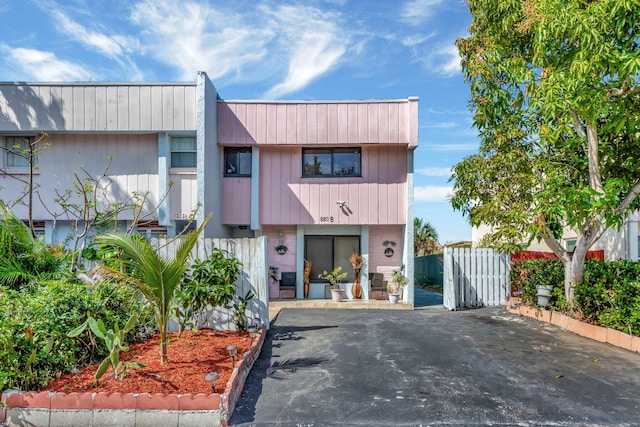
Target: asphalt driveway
{"type": "Point", "coordinates": [324, 367]}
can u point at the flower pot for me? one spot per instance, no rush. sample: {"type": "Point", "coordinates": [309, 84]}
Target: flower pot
{"type": "Point", "coordinates": [337, 295]}
{"type": "Point", "coordinates": [544, 293]}
{"type": "Point", "coordinates": [393, 298]}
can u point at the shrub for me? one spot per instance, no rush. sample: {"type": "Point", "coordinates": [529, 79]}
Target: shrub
{"type": "Point", "coordinates": [34, 347]}
{"type": "Point", "coordinates": [609, 295]}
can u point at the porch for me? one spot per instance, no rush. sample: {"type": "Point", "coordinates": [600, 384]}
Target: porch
{"type": "Point", "coordinates": [276, 305]}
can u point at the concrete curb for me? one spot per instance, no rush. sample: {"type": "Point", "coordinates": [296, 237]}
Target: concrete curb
{"type": "Point", "coordinates": [587, 330]}
{"type": "Point", "coordinates": [135, 409]}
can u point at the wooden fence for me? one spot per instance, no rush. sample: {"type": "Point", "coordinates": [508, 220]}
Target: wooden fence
{"type": "Point", "coordinates": [252, 253]}
{"type": "Point", "coordinates": [475, 277]}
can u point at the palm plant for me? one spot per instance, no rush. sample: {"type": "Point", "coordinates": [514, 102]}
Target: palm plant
{"type": "Point", "coordinates": [134, 261]}
{"type": "Point", "coordinates": [425, 238]}
{"type": "Point", "coordinates": [24, 259]}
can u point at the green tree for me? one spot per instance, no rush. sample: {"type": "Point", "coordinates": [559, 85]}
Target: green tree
{"type": "Point", "coordinates": [556, 100]}
{"type": "Point", "coordinates": [132, 260]}
{"type": "Point", "coordinates": [425, 238]}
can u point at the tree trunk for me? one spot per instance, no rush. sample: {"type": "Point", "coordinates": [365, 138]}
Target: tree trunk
{"type": "Point", "coordinates": [573, 273]}
{"type": "Point", "coordinates": [163, 347]}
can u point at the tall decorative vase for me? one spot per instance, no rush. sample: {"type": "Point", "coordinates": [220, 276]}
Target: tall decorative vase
{"type": "Point", "coordinates": [356, 288]}
{"type": "Point", "coordinates": [306, 289]}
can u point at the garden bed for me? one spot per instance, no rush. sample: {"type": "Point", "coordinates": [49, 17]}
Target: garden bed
{"type": "Point", "coordinates": [172, 394]}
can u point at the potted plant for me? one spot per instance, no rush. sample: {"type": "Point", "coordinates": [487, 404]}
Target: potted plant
{"type": "Point", "coordinates": [335, 278]}
{"type": "Point", "coordinates": [356, 263]}
{"type": "Point", "coordinates": [398, 281]}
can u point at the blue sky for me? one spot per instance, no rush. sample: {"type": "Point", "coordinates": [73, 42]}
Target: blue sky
{"type": "Point", "coordinates": [255, 49]}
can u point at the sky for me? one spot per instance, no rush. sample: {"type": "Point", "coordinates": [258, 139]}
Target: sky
{"type": "Point", "coordinates": [268, 49]}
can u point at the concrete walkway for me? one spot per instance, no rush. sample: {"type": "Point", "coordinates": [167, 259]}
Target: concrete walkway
{"type": "Point", "coordinates": [323, 367]}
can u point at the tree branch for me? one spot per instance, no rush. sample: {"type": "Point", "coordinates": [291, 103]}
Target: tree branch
{"type": "Point", "coordinates": [578, 125]}
{"type": "Point", "coordinates": [594, 163]}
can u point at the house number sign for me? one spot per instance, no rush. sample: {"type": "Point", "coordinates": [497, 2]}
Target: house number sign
{"type": "Point", "coordinates": [326, 219]}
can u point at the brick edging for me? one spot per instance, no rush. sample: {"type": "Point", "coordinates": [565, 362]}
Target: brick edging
{"type": "Point", "coordinates": [587, 330]}
{"type": "Point", "coordinates": [223, 403]}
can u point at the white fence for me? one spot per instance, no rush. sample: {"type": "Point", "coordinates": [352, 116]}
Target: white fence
{"type": "Point", "coordinates": [475, 277]}
{"type": "Point", "coordinates": [252, 253]}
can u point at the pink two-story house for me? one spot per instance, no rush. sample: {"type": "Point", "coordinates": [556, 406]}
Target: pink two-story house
{"type": "Point", "coordinates": [321, 179]}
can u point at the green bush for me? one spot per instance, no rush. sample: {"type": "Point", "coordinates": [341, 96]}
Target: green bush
{"type": "Point", "coordinates": [609, 295]}
{"type": "Point", "coordinates": [527, 274]}
{"type": "Point", "coordinates": [34, 347]}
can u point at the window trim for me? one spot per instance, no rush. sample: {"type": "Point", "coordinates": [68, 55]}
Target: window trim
{"type": "Point", "coordinates": [332, 151]}
{"type": "Point", "coordinates": [237, 150]}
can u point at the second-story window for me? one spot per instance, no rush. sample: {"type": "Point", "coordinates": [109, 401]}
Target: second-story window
{"type": "Point", "coordinates": [237, 161]}
{"type": "Point", "coordinates": [183, 152]}
{"type": "Point", "coordinates": [340, 162]}
{"type": "Point", "coordinates": [17, 151]}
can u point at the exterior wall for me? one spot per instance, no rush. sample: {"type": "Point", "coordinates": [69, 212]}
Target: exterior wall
{"type": "Point", "coordinates": [92, 106]}
{"type": "Point", "coordinates": [183, 196]}
{"type": "Point", "coordinates": [236, 201]}
{"type": "Point", "coordinates": [286, 262]}
{"type": "Point", "coordinates": [318, 123]}
{"type": "Point", "coordinates": [378, 262]}
{"type": "Point", "coordinates": [617, 244]}
{"type": "Point", "coordinates": [378, 197]}
{"type": "Point", "coordinates": [134, 167]}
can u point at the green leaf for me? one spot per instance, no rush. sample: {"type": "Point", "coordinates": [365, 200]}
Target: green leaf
{"type": "Point", "coordinates": [102, 368]}
{"type": "Point", "coordinates": [96, 329]}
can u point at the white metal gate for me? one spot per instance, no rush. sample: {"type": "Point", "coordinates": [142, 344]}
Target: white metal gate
{"type": "Point", "coordinates": [475, 277]}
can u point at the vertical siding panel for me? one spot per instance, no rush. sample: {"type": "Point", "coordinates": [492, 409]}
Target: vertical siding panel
{"type": "Point", "coordinates": [333, 114]}
{"type": "Point", "coordinates": [272, 126]}
{"type": "Point", "coordinates": [404, 125]}
{"type": "Point", "coordinates": [178, 108]}
{"type": "Point", "coordinates": [281, 124]}
{"type": "Point", "coordinates": [134, 108]}
{"type": "Point", "coordinates": [261, 124]}
{"type": "Point", "coordinates": [89, 108]}
{"type": "Point", "coordinates": [156, 107]}
{"type": "Point", "coordinates": [190, 107]}
{"type": "Point", "coordinates": [301, 127]}
{"type": "Point", "coordinates": [123, 108]}
{"type": "Point", "coordinates": [374, 123]}
{"type": "Point", "coordinates": [77, 95]}
{"type": "Point", "coordinates": [291, 124]}
{"type": "Point", "coordinates": [101, 108]}
{"type": "Point", "coordinates": [251, 123]}
{"type": "Point", "coordinates": [394, 135]}
{"type": "Point", "coordinates": [352, 119]}
{"type": "Point", "coordinates": [341, 121]}
{"type": "Point", "coordinates": [146, 109]}
{"type": "Point", "coordinates": [238, 135]}
{"type": "Point", "coordinates": [112, 108]}
{"type": "Point", "coordinates": [224, 122]}
{"type": "Point", "coordinates": [363, 123]}
{"type": "Point", "coordinates": [66, 94]}
{"type": "Point", "coordinates": [383, 124]}
{"type": "Point", "coordinates": [323, 123]}
{"type": "Point", "coordinates": [167, 108]}
{"type": "Point", "coordinates": [312, 123]}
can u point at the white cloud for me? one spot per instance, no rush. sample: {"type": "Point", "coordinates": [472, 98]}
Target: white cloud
{"type": "Point", "coordinates": [454, 147]}
{"type": "Point", "coordinates": [447, 60]}
{"type": "Point", "coordinates": [432, 193]}
{"type": "Point", "coordinates": [314, 42]}
{"type": "Point", "coordinates": [415, 12]}
{"type": "Point", "coordinates": [105, 44]}
{"type": "Point", "coordinates": [435, 171]}
{"type": "Point", "coordinates": [441, 125]}
{"type": "Point", "coordinates": [193, 36]}
{"type": "Point", "coordinates": [45, 66]}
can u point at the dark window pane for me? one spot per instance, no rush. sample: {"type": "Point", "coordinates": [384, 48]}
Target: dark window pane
{"type": "Point", "coordinates": [346, 162]}
{"type": "Point", "coordinates": [183, 160]}
{"type": "Point", "coordinates": [316, 162]}
{"type": "Point", "coordinates": [319, 250]}
{"type": "Point", "coordinates": [237, 161]}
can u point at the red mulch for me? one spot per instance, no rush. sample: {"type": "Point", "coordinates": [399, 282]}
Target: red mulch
{"type": "Point", "coordinates": [191, 357]}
